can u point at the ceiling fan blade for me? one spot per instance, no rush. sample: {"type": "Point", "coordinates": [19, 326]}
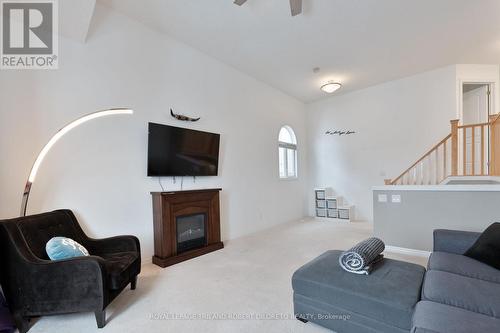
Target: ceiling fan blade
{"type": "Point", "coordinates": [296, 7]}
{"type": "Point", "coordinates": [239, 2]}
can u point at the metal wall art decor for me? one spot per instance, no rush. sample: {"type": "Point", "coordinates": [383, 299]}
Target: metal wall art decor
{"type": "Point", "coordinates": [339, 132]}
{"type": "Point", "coordinates": [183, 117]}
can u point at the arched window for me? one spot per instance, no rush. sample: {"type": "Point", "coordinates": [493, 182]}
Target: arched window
{"type": "Point", "coordinates": [287, 142]}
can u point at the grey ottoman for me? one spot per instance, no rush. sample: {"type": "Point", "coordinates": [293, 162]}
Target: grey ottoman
{"type": "Point", "coordinates": [383, 301]}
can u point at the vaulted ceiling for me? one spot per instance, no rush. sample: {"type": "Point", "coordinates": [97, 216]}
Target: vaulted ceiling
{"type": "Point", "coordinates": [357, 42]}
{"type": "Point", "coordinates": [75, 18]}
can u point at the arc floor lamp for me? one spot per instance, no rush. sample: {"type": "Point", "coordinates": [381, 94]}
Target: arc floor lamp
{"type": "Point", "coordinates": [55, 138]}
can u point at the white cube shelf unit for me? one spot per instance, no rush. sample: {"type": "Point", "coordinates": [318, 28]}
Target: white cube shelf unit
{"type": "Point", "coordinates": [346, 212]}
{"type": "Point", "coordinates": [330, 207]}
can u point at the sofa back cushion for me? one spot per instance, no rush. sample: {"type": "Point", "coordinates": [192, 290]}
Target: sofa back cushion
{"type": "Point", "coordinates": [39, 229]}
{"type": "Point", "coordinates": [462, 265]}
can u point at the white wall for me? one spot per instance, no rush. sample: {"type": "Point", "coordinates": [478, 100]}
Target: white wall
{"type": "Point", "coordinates": [396, 123]}
{"type": "Point", "coordinates": [99, 170]}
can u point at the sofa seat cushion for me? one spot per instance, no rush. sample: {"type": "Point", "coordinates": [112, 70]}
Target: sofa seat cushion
{"type": "Point", "coordinates": [462, 265]}
{"type": "Point", "coordinates": [437, 317]}
{"type": "Point", "coordinates": [121, 267]}
{"type": "Point", "coordinates": [464, 292]}
{"type": "Point", "coordinates": [388, 294]}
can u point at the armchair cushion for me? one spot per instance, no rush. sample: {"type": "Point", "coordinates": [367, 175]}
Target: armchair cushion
{"type": "Point", "coordinates": [64, 248]}
{"type": "Point", "coordinates": [121, 267]}
{"type": "Point", "coordinates": [38, 229]}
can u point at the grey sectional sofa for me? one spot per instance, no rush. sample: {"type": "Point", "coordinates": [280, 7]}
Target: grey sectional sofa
{"type": "Point", "coordinates": [456, 294]}
{"type": "Point", "coordinates": [459, 294]}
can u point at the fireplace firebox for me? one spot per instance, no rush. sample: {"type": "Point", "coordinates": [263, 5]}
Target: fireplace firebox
{"type": "Point", "coordinates": [186, 225]}
{"type": "Point", "coordinates": [190, 232]}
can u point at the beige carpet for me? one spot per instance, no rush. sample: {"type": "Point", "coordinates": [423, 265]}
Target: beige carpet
{"type": "Point", "coordinates": [246, 281]}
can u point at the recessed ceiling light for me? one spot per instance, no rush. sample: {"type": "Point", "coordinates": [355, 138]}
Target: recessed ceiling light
{"type": "Point", "coordinates": [331, 87]}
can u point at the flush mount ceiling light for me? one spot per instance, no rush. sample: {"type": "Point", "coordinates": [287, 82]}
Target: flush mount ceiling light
{"type": "Point", "coordinates": [331, 87]}
{"type": "Point", "coordinates": [295, 6]}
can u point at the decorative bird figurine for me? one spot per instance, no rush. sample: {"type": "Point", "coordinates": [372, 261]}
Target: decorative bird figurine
{"type": "Point", "coordinates": [182, 117]}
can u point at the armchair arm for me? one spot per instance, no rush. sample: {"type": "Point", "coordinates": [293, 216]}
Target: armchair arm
{"type": "Point", "coordinates": [65, 285]}
{"type": "Point", "coordinates": [113, 244]}
{"type": "Point", "coordinates": [454, 241]}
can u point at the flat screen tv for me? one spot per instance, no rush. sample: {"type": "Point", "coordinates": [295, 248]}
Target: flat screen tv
{"type": "Point", "coordinates": [175, 151]}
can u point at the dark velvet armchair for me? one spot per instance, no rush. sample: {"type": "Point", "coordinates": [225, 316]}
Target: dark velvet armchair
{"type": "Point", "coordinates": [36, 286]}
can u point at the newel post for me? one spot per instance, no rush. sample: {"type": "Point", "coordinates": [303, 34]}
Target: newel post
{"type": "Point", "coordinates": [454, 147]}
{"type": "Point", "coordinates": [492, 170]}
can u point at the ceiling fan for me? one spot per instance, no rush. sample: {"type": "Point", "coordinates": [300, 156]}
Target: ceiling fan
{"type": "Point", "coordinates": [295, 5]}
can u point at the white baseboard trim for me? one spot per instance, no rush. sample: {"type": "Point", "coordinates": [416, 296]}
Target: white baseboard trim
{"type": "Point", "coordinates": [404, 250]}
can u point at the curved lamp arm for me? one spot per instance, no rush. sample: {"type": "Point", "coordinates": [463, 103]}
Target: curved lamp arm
{"type": "Point", "coordinates": [55, 138]}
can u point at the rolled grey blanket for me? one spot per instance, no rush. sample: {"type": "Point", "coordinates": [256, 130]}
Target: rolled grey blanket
{"type": "Point", "coordinates": [361, 258]}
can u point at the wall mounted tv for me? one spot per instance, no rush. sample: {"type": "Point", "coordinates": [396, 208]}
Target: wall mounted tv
{"type": "Point", "coordinates": [175, 151]}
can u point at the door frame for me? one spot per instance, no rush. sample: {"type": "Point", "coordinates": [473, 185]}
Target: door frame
{"type": "Point", "coordinates": [492, 102]}
{"type": "Point", "coordinates": [491, 106]}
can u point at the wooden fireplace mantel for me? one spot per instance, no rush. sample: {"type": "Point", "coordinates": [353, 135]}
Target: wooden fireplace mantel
{"type": "Point", "coordinates": [167, 206]}
{"type": "Point", "coordinates": [207, 190]}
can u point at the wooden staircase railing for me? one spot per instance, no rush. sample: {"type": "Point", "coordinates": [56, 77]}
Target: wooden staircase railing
{"type": "Point", "coordinates": [495, 145]}
{"type": "Point", "coordinates": [469, 150]}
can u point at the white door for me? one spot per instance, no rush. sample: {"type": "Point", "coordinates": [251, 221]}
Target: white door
{"type": "Point", "coordinates": [475, 111]}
